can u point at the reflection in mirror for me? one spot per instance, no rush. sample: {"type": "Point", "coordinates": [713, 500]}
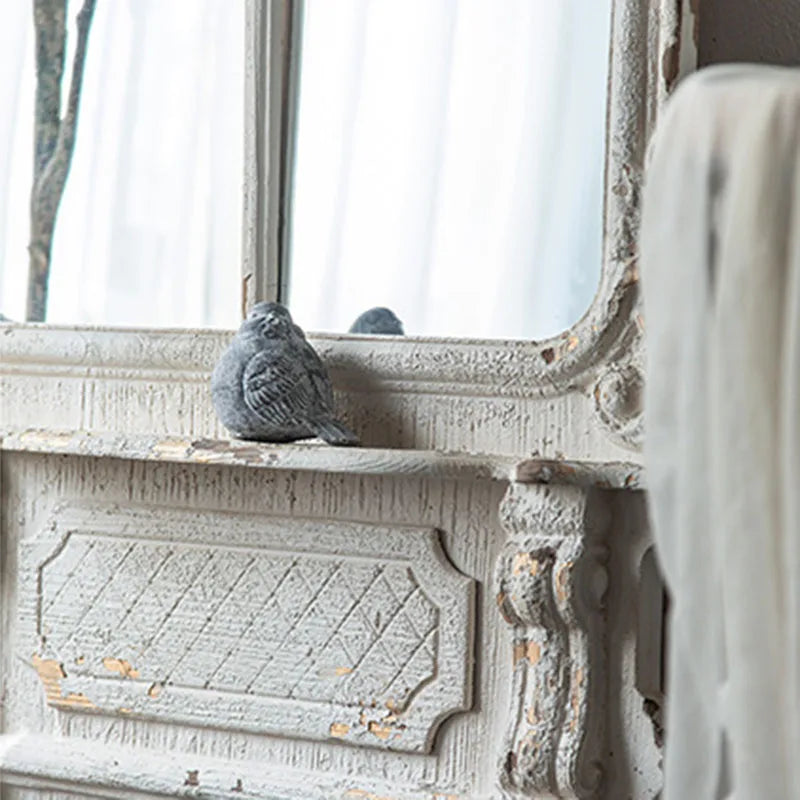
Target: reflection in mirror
{"type": "Point", "coordinates": [148, 231]}
{"type": "Point", "coordinates": [449, 164]}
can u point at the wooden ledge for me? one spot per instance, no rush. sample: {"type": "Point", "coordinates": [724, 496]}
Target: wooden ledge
{"type": "Point", "coordinates": [318, 457]}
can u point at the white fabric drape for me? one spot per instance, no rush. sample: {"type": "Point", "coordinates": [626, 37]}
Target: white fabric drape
{"type": "Point", "coordinates": [149, 228]}
{"type": "Point", "coordinates": [450, 164]}
{"type": "Point", "coordinates": [720, 250]}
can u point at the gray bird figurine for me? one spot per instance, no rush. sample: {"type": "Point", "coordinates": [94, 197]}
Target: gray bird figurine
{"type": "Point", "coordinates": [271, 386]}
{"type": "Point", "coordinates": [377, 320]}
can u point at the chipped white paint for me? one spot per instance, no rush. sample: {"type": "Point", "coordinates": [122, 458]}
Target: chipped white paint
{"type": "Point", "coordinates": [101, 673]}
{"type": "Point", "coordinates": [112, 445]}
{"type": "Point", "coordinates": [276, 625]}
{"type": "Point", "coordinates": [207, 508]}
{"type": "Point", "coordinates": [488, 397]}
{"type": "Point", "coordinates": [551, 582]}
{"type": "Point", "coordinates": [323, 458]}
{"type": "Point", "coordinates": [182, 774]}
{"type": "Point", "coordinates": [574, 396]}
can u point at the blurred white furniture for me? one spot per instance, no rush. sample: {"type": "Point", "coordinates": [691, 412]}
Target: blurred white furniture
{"type": "Point", "coordinates": [721, 276]}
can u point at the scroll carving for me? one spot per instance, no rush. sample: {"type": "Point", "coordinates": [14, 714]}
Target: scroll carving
{"type": "Point", "coordinates": [551, 580]}
{"type": "Point", "coordinates": [618, 402]}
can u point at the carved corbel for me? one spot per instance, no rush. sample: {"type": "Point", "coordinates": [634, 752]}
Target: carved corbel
{"type": "Point", "coordinates": [551, 578]}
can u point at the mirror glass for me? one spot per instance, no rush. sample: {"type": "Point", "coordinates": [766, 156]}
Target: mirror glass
{"type": "Point", "coordinates": [449, 165]}
{"type": "Point", "coordinates": [149, 227]}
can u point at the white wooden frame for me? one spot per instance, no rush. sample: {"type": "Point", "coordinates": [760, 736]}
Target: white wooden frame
{"type": "Point", "coordinates": [272, 49]}
{"type": "Point", "coordinates": [534, 502]}
{"type": "Point", "coordinates": [417, 393]}
{"type": "Point", "coordinates": [644, 62]}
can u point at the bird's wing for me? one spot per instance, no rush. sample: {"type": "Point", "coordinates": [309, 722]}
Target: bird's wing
{"type": "Point", "coordinates": [277, 389]}
{"type": "Point", "coordinates": [319, 377]}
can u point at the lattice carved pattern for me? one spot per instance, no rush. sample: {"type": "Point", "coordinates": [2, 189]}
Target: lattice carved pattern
{"type": "Point", "coordinates": [354, 632]}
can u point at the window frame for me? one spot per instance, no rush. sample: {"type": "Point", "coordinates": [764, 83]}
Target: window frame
{"type": "Point", "coordinates": [649, 44]}
{"type": "Point", "coordinates": [433, 390]}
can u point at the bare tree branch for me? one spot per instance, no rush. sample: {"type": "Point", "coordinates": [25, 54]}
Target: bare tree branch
{"type": "Point", "coordinates": [49, 19]}
{"type": "Point", "coordinates": [53, 145]}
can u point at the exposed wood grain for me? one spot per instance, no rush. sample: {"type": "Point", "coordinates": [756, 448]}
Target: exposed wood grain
{"type": "Point", "coordinates": [272, 625]}
{"type": "Point", "coordinates": [187, 499]}
{"type": "Point", "coordinates": [311, 456]}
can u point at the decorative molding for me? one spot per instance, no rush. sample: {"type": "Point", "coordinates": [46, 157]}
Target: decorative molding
{"type": "Point", "coordinates": [580, 367]}
{"type": "Point", "coordinates": [413, 365]}
{"type": "Point", "coordinates": [476, 391]}
{"type": "Point", "coordinates": [618, 401]}
{"type": "Point", "coordinates": [311, 456]}
{"type": "Point", "coordinates": [117, 772]}
{"type": "Point", "coordinates": [551, 578]}
{"type": "Point", "coordinates": [318, 630]}
{"type": "Point", "coordinates": [474, 397]}
{"type": "Point", "coordinates": [314, 457]}
{"type": "Point", "coordinates": [387, 384]}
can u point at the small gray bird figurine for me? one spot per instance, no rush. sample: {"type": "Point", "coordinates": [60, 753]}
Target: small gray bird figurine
{"type": "Point", "coordinates": [377, 320]}
{"type": "Point", "coordinates": [271, 386]}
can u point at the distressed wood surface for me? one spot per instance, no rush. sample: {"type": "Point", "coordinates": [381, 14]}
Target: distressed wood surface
{"type": "Point", "coordinates": [128, 774]}
{"type": "Point", "coordinates": [575, 396]}
{"type": "Point", "coordinates": [633, 765]}
{"type": "Point", "coordinates": [321, 630]}
{"type": "Point", "coordinates": [323, 458]}
{"type": "Point", "coordinates": [158, 518]}
{"type": "Point", "coordinates": [198, 508]}
{"type": "Point", "coordinates": [550, 581]}
{"type": "Point", "coordinates": [310, 455]}
{"type": "Point", "coordinates": [480, 398]}
{"type": "Point", "coordinates": [130, 426]}
{"type": "Point", "coordinates": [598, 358]}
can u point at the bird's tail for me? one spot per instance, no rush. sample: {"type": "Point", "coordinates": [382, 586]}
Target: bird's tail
{"type": "Point", "coordinates": [333, 432]}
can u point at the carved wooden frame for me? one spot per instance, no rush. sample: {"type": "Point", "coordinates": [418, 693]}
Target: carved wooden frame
{"type": "Point", "coordinates": [594, 368]}
{"type": "Point", "coordinates": [602, 350]}
{"type": "Point", "coordinates": [503, 405]}
{"type": "Point", "coordinates": [437, 593]}
{"type": "Point", "coordinates": [551, 581]}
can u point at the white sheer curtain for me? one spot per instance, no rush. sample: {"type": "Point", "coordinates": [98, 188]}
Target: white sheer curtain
{"type": "Point", "coordinates": [450, 163]}
{"type": "Point", "coordinates": [149, 227]}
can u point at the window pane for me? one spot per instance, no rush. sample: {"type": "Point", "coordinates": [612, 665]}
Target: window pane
{"type": "Point", "coordinates": [149, 228]}
{"type": "Point", "coordinates": [450, 159]}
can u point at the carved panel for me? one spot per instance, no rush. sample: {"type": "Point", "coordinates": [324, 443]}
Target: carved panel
{"type": "Point", "coordinates": [550, 582]}
{"type": "Point", "coordinates": [318, 630]}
